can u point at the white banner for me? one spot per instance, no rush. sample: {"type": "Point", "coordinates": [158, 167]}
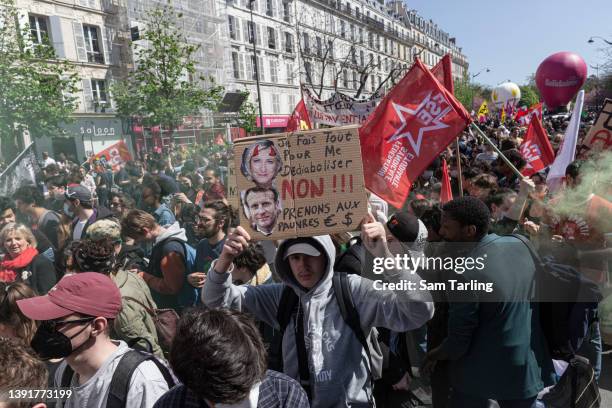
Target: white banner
{"type": "Point", "coordinates": [339, 109]}
{"type": "Point", "coordinates": [21, 171]}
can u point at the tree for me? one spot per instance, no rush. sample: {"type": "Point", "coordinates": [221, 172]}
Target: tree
{"type": "Point", "coordinates": [529, 95]}
{"type": "Point", "coordinates": [164, 87]}
{"type": "Point", "coordinates": [247, 115]}
{"type": "Point", "coordinates": [37, 88]}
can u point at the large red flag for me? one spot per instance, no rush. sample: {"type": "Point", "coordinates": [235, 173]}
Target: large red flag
{"type": "Point", "coordinates": [446, 193]}
{"type": "Point", "coordinates": [536, 148]}
{"type": "Point", "coordinates": [299, 119]}
{"type": "Point", "coordinates": [415, 121]}
{"type": "Point", "coordinates": [524, 116]}
{"type": "Point", "coordinates": [443, 71]}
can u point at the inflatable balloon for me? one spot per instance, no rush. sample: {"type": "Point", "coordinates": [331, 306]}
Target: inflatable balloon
{"type": "Point", "coordinates": [506, 94]}
{"type": "Point", "coordinates": [559, 78]}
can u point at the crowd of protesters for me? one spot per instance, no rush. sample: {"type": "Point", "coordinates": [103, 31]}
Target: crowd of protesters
{"type": "Point", "coordinates": [99, 260]}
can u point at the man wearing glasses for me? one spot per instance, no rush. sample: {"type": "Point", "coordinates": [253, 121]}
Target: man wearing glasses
{"type": "Point", "coordinates": [76, 318]}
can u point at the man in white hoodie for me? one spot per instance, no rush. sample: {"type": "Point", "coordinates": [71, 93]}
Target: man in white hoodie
{"type": "Point", "coordinates": [338, 371]}
{"type": "Point", "coordinates": [167, 264]}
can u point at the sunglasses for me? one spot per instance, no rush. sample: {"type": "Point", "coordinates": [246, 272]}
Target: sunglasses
{"type": "Point", "coordinates": [54, 324]}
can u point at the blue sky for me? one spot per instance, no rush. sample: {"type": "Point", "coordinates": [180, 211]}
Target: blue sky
{"type": "Point", "coordinates": [513, 37]}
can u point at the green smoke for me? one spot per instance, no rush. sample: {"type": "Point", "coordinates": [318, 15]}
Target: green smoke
{"type": "Point", "coordinates": [595, 177]}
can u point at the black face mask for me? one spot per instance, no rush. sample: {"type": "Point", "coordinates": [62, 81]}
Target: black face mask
{"type": "Point", "coordinates": [49, 343]}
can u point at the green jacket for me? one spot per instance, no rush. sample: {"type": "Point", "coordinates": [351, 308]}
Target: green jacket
{"type": "Point", "coordinates": [494, 342]}
{"type": "Point", "coordinates": [134, 321]}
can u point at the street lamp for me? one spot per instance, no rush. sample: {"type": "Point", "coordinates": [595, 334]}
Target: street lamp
{"type": "Point", "coordinates": [254, 39]}
{"type": "Point", "coordinates": [480, 72]}
{"type": "Point", "coordinates": [591, 40]}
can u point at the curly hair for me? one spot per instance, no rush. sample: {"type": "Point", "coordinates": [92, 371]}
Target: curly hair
{"type": "Point", "coordinates": [218, 354]}
{"type": "Point", "coordinates": [19, 368]}
{"type": "Point", "coordinates": [252, 258]}
{"type": "Point", "coordinates": [29, 195]}
{"type": "Point", "coordinates": [94, 256]}
{"type": "Point", "coordinates": [469, 211]}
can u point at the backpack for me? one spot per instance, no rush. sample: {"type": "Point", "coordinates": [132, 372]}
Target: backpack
{"type": "Point", "coordinates": [188, 296]}
{"type": "Point", "coordinates": [576, 388]}
{"type": "Point", "coordinates": [351, 260]}
{"type": "Point", "coordinates": [286, 309]}
{"type": "Point", "coordinates": [567, 304]}
{"type": "Point", "coordinates": [120, 383]}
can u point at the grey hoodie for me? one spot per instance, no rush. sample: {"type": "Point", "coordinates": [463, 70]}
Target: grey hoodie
{"type": "Point", "coordinates": [337, 361]}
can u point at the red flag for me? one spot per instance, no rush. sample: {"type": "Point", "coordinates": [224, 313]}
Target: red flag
{"type": "Point", "coordinates": [524, 116]}
{"type": "Point", "coordinates": [443, 71]}
{"type": "Point", "coordinates": [446, 194]}
{"type": "Point", "coordinates": [536, 149]}
{"type": "Point", "coordinates": [415, 121]}
{"type": "Point", "coordinates": [299, 119]}
{"type": "Point", "coordinates": [115, 154]}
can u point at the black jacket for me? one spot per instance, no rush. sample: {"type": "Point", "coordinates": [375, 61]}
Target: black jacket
{"type": "Point", "coordinates": [39, 274]}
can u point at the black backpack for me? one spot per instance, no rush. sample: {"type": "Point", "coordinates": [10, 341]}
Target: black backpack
{"type": "Point", "coordinates": [576, 388]}
{"type": "Point", "coordinates": [287, 308]}
{"type": "Point", "coordinates": [120, 383]}
{"type": "Point", "coordinates": [567, 304]}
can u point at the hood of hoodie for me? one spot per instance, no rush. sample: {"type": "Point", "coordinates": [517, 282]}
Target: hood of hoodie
{"type": "Point", "coordinates": [172, 231]}
{"type": "Point", "coordinates": [324, 244]}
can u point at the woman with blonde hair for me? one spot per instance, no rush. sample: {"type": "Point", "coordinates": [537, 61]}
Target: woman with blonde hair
{"type": "Point", "coordinates": [22, 262]}
{"type": "Point", "coordinates": [12, 322]}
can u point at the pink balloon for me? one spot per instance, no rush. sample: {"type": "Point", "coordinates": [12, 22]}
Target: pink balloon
{"type": "Point", "coordinates": [559, 78]}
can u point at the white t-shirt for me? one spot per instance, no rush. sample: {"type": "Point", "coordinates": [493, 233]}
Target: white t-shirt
{"type": "Point", "coordinates": [147, 384]}
{"type": "Point", "coordinates": [78, 230]}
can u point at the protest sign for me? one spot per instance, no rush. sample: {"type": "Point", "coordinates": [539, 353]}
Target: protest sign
{"type": "Point", "coordinates": [339, 109]}
{"type": "Point", "coordinates": [600, 135]}
{"type": "Point", "coordinates": [116, 154]}
{"type": "Point", "coordinates": [232, 190]}
{"type": "Point", "coordinates": [300, 184]}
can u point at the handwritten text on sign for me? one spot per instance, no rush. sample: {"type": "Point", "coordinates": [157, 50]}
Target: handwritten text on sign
{"type": "Point", "coordinates": [320, 184]}
{"type": "Point", "coordinates": [600, 135]}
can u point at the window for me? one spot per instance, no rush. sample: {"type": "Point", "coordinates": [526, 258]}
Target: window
{"type": "Point", "coordinates": [38, 29]}
{"type": "Point", "coordinates": [344, 78]}
{"type": "Point", "coordinates": [308, 68]}
{"type": "Point", "coordinates": [251, 31]}
{"type": "Point", "coordinates": [98, 88]}
{"type": "Point", "coordinates": [290, 77]}
{"type": "Point", "coordinates": [235, 65]}
{"type": "Point", "coordinates": [92, 44]}
{"type": "Point", "coordinates": [273, 70]}
{"type": "Point", "coordinates": [289, 43]}
{"type": "Point", "coordinates": [330, 47]}
{"type": "Point", "coordinates": [373, 83]}
{"type": "Point", "coordinates": [287, 11]}
{"type": "Point", "coordinates": [360, 35]}
{"type": "Point", "coordinates": [361, 58]}
{"type": "Point", "coordinates": [270, 8]}
{"type": "Point", "coordinates": [271, 38]}
{"type": "Point", "coordinates": [354, 80]}
{"type": "Point", "coordinates": [306, 43]}
{"type": "Point", "coordinates": [352, 32]}
{"type": "Point", "coordinates": [232, 27]}
{"type": "Point", "coordinates": [291, 101]}
{"type": "Point", "coordinates": [319, 47]}
{"type": "Point", "coordinates": [342, 29]}
{"type": "Point", "coordinates": [276, 103]}
{"type": "Point", "coordinates": [260, 68]}
{"type": "Point", "coordinates": [250, 68]}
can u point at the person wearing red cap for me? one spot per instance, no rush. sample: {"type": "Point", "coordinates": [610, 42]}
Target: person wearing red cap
{"type": "Point", "coordinates": [76, 317]}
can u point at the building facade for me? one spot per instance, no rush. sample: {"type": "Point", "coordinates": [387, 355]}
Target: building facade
{"type": "Point", "coordinates": [91, 35]}
{"type": "Point", "coordinates": [357, 47]}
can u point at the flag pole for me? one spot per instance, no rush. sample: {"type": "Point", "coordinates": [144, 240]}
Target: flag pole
{"type": "Point", "coordinates": [459, 177]}
{"type": "Point", "coordinates": [504, 158]}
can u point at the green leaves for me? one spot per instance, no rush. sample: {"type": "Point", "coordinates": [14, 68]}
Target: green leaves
{"type": "Point", "coordinates": [162, 89]}
{"type": "Point", "coordinates": [37, 88]}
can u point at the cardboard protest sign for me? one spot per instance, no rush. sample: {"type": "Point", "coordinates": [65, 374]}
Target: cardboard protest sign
{"type": "Point", "coordinates": [300, 184]}
{"type": "Point", "coordinates": [232, 190]}
{"type": "Point", "coordinates": [600, 135]}
{"type": "Point", "coordinates": [339, 109]}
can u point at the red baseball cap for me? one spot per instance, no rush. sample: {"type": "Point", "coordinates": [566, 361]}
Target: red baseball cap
{"type": "Point", "coordinates": [89, 293]}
